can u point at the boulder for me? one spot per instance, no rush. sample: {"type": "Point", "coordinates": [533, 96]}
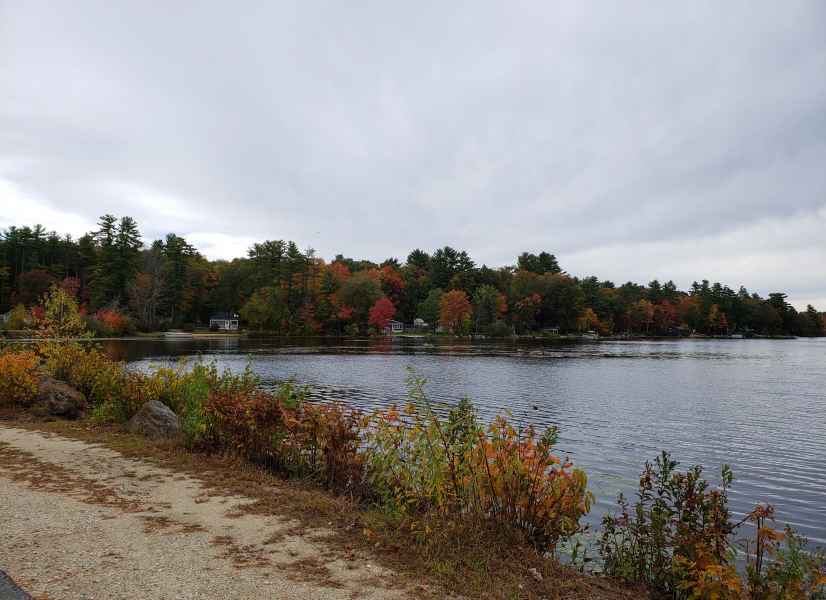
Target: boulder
{"type": "Point", "coordinates": [58, 399]}
{"type": "Point", "coordinates": [155, 420]}
{"type": "Point", "coordinates": [10, 591]}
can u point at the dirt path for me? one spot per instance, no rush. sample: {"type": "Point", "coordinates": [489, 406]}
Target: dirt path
{"type": "Point", "coordinates": [81, 521]}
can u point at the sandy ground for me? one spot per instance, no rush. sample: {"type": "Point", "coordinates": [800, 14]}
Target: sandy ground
{"type": "Point", "coordinates": [80, 521]}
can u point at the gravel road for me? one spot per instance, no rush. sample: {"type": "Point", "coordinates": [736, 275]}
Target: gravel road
{"type": "Point", "coordinates": [81, 521]}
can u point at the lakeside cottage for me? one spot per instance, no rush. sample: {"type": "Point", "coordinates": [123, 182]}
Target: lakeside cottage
{"type": "Point", "coordinates": [224, 322]}
{"type": "Point", "coordinates": [394, 327]}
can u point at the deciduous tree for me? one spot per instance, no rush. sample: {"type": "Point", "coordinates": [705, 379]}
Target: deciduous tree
{"type": "Point", "coordinates": [454, 311]}
{"type": "Point", "coordinates": [381, 313]}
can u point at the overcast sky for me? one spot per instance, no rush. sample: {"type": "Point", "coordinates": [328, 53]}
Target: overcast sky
{"type": "Point", "coordinates": [682, 140]}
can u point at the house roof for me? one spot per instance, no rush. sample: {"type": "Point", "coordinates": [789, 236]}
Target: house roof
{"type": "Point", "coordinates": [223, 316]}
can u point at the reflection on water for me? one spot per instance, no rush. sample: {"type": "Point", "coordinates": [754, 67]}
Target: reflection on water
{"type": "Point", "coordinates": [759, 405]}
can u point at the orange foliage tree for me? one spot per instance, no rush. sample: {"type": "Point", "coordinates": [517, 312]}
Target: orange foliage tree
{"type": "Point", "coordinates": [455, 310]}
{"type": "Point", "coordinates": [392, 283]}
{"type": "Point", "coordinates": [588, 320]}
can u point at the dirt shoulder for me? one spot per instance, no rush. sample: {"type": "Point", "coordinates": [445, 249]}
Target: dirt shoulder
{"type": "Point", "coordinates": [80, 520]}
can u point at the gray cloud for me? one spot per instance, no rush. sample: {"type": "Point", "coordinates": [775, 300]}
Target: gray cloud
{"type": "Point", "coordinates": [635, 140]}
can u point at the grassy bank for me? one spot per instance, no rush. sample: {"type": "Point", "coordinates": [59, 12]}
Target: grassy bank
{"type": "Point", "coordinates": [473, 563]}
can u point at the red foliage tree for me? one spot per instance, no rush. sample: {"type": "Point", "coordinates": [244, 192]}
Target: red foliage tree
{"type": "Point", "coordinates": [339, 271]}
{"type": "Point", "coordinates": [526, 309]}
{"type": "Point", "coordinates": [32, 285]}
{"type": "Point", "coordinates": [71, 285]}
{"type": "Point", "coordinates": [381, 313]}
{"type": "Point", "coordinates": [665, 316]}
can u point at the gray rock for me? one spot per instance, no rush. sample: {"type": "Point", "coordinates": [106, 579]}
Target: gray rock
{"type": "Point", "coordinates": [9, 591]}
{"type": "Point", "coordinates": [58, 399]}
{"type": "Point", "coordinates": [155, 420]}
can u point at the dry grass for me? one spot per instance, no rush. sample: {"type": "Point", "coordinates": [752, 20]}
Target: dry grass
{"type": "Point", "coordinates": [474, 561]}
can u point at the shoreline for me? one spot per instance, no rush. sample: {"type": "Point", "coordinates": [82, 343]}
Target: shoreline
{"type": "Point", "coordinates": [22, 336]}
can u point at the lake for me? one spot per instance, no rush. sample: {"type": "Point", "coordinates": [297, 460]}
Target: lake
{"type": "Point", "coordinates": [759, 405]}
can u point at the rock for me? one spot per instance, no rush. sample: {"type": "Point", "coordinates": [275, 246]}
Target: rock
{"type": "Point", "coordinates": [9, 591]}
{"type": "Point", "coordinates": [58, 399]}
{"type": "Point", "coordinates": [535, 574]}
{"type": "Point", "coordinates": [155, 420]}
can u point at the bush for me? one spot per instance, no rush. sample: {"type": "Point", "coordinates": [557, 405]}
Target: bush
{"type": "Point", "coordinates": [778, 564]}
{"type": "Point", "coordinates": [678, 540]}
{"type": "Point", "coordinates": [323, 442]}
{"type": "Point", "coordinates": [101, 379]}
{"type": "Point", "coordinates": [18, 319]}
{"type": "Point", "coordinates": [286, 433]}
{"type": "Point", "coordinates": [18, 377]}
{"type": "Point", "coordinates": [249, 423]}
{"type": "Point", "coordinates": [114, 393]}
{"type": "Point", "coordinates": [111, 322]}
{"type": "Point", "coordinates": [419, 462]}
{"type": "Point", "coordinates": [499, 329]}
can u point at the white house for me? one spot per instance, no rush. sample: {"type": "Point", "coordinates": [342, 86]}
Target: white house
{"type": "Point", "coordinates": [394, 327]}
{"type": "Point", "coordinates": [224, 322]}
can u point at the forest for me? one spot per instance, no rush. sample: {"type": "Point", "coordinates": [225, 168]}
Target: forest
{"type": "Point", "coordinates": [125, 285]}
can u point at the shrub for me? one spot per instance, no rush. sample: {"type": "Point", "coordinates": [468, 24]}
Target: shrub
{"type": "Point", "coordinates": [18, 377]}
{"type": "Point", "coordinates": [419, 462]}
{"type": "Point", "coordinates": [499, 329]}
{"type": "Point", "coordinates": [251, 423]}
{"type": "Point", "coordinates": [778, 564]}
{"type": "Point", "coordinates": [286, 433]}
{"type": "Point", "coordinates": [114, 393]}
{"type": "Point", "coordinates": [111, 322]}
{"type": "Point", "coordinates": [187, 394]}
{"type": "Point", "coordinates": [89, 370]}
{"type": "Point", "coordinates": [678, 540]}
{"type": "Point", "coordinates": [19, 318]}
{"type": "Point", "coordinates": [323, 442]}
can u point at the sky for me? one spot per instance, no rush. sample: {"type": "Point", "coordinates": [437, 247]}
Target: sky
{"type": "Point", "coordinates": [634, 140]}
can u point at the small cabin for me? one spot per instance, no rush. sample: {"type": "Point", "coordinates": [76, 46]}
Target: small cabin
{"type": "Point", "coordinates": [394, 327]}
{"type": "Point", "coordinates": [224, 322]}
{"type": "Point", "coordinates": [419, 323]}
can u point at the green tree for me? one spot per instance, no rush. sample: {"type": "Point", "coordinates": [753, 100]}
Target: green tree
{"type": "Point", "coordinates": [360, 292]}
{"type": "Point", "coordinates": [487, 301]}
{"type": "Point", "coordinates": [176, 295]}
{"type": "Point", "coordinates": [539, 264]}
{"type": "Point", "coordinates": [429, 308]}
{"type": "Point", "coordinates": [446, 263]}
{"type": "Point", "coordinates": [267, 310]}
{"type": "Point", "coordinates": [103, 277]}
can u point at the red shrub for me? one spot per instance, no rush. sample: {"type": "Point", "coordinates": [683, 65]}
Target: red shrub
{"type": "Point", "coordinates": [284, 432]}
{"type": "Point", "coordinates": [112, 322]}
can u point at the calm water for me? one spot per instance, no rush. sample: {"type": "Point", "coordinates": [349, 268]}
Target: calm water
{"type": "Point", "coordinates": [759, 405]}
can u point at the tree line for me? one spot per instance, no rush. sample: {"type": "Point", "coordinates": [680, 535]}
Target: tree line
{"type": "Point", "coordinates": [124, 283]}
